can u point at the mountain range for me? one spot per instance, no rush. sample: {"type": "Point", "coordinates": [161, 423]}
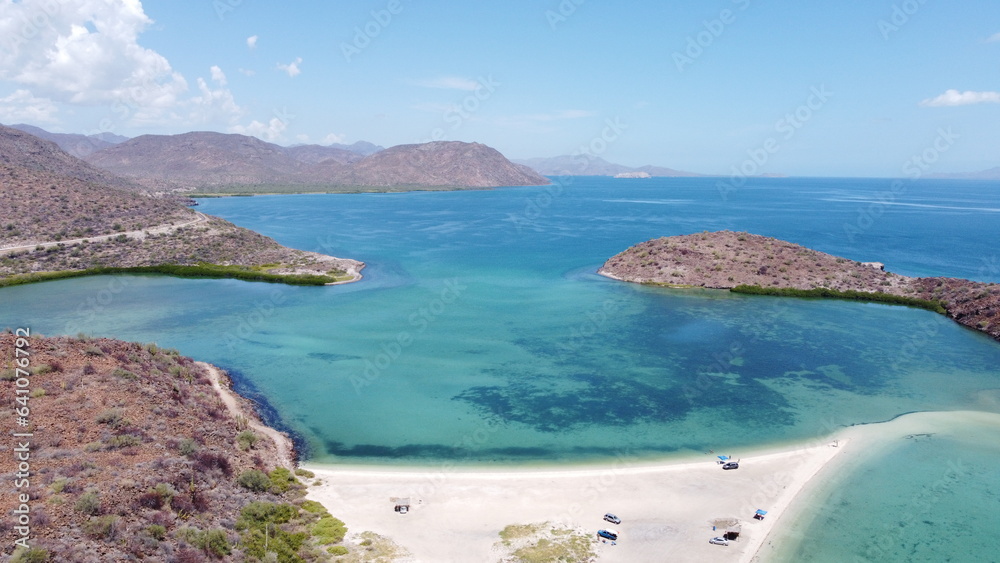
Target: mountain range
{"type": "Point", "coordinates": [73, 143]}
{"type": "Point", "coordinates": [989, 174]}
{"type": "Point", "coordinates": [202, 159]}
{"type": "Point", "coordinates": [588, 165]}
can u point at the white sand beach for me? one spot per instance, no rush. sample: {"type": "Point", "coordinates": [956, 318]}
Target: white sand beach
{"type": "Point", "coordinates": [667, 509]}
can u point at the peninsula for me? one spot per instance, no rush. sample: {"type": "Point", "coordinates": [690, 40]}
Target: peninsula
{"type": "Point", "coordinates": [754, 264]}
{"type": "Point", "coordinates": [133, 452]}
{"type": "Point", "coordinates": [66, 218]}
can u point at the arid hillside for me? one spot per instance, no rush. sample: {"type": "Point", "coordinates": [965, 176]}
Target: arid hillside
{"type": "Point", "coordinates": [203, 159]}
{"type": "Point", "coordinates": [62, 215]}
{"type": "Point", "coordinates": [727, 260]}
{"type": "Point", "coordinates": [132, 455]}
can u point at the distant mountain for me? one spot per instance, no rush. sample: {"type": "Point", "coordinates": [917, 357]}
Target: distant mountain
{"type": "Point", "coordinates": [314, 154]}
{"type": "Point", "coordinates": [364, 148]}
{"type": "Point", "coordinates": [26, 150]}
{"type": "Point", "coordinates": [440, 163]}
{"type": "Point", "coordinates": [201, 159]}
{"type": "Point", "coordinates": [74, 144]}
{"type": "Point", "coordinates": [567, 165]}
{"type": "Point", "coordinates": [990, 174]}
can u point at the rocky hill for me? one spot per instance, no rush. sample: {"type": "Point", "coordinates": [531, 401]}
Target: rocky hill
{"type": "Point", "coordinates": [364, 148]}
{"type": "Point", "coordinates": [756, 264]}
{"type": "Point", "coordinates": [24, 150]}
{"type": "Point", "coordinates": [137, 453]}
{"type": "Point", "coordinates": [439, 163]}
{"type": "Point", "coordinates": [567, 165]}
{"type": "Point", "coordinates": [74, 144]}
{"type": "Point", "coordinates": [203, 159]}
{"type": "Point", "coordinates": [62, 217]}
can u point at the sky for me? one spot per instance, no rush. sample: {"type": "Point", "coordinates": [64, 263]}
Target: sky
{"type": "Point", "coordinates": [807, 88]}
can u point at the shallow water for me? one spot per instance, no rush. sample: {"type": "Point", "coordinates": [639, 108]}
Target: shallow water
{"type": "Point", "coordinates": [920, 497]}
{"type": "Point", "coordinates": [482, 335]}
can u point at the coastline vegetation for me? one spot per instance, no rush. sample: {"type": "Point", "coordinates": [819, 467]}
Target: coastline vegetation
{"type": "Point", "coordinates": [244, 190]}
{"type": "Point", "coordinates": [826, 293]}
{"type": "Point", "coordinates": [205, 270]}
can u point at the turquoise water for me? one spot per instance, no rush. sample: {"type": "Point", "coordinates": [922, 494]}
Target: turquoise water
{"type": "Point", "coordinates": [481, 333]}
{"type": "Point", "coordinates": [924, 497]}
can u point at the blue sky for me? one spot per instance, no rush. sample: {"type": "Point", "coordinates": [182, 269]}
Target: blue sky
{"type": "Point", "coordinates": [847, 88]}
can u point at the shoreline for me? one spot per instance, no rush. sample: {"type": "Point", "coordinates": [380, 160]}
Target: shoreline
{"type": "Point", "coordinates": [458, 513]}
{"type": "Point", "coordinates": [238, 406]}
{"type": "Point", "coordinates": [666, 507]}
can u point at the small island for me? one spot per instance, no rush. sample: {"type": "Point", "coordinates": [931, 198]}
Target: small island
{"type": "Point", "coordinates": [633, 175]}
{"type": "Point", "coordinates": [754, 264]}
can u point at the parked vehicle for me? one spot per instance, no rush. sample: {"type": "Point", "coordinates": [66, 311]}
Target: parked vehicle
{"type": "Point", "coordinates": [719, 541]}
{"type": "Point", "coordinates": [731, 465]}
{"type": "Point", "coordinates": [612, 518]}
{"type": "Point", "coordinates": [607, 534]}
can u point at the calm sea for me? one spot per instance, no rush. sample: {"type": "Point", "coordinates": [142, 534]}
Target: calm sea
{"type": "Point", "coordinates": [481, 333]}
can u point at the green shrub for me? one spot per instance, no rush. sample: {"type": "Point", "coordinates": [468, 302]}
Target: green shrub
{"type": "Point", "coordinates": [89, 503]}
{"type": "Point", "coordinates": [313, 507]}
{"type": "Point", "coordinates": [259, 514]}
{"type": "Point", "coordinates": [213, 542]}
{"type": "Point", "coordinates": [305, 473]}
{"type": "Point", "coordinates": [254, 480]}
{"type": "Point", "coordinates": [124, 441]}
{"type": "Point", "coordinates": [337, 550]}
{"type": "Point", "coordinates": [124, 374]}
{"type": "Point", "coordinates": [100, 527]}
{"type": "Point", "coordinates": [30, 555]}
{"type": "Point", "coordinates": [187, 446]}
{"type": "Point", "coordinates": [246, 440]}
{"type": "Point", "coordinates": [156, 531]}
{"type": "Point", "coordinates": [110, 416]}
{"type": "Point", "coordinates": [329, 530]}
{"type": "Point", "coordinates": [282, 479]}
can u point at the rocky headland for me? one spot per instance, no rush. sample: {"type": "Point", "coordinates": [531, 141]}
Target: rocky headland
{"type": "Point", "coordinates": [62, 217]}
{"type": "Point", "coordinates": [132, 452]}
{"type": "Point", "coordinates": [754, 264]}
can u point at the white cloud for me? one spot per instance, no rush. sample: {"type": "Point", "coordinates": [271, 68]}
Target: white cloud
{"type": "Point", "coordinates": [449, 83]}
{"type": "Point", "coordinates": [993, 38]}
{"type": "Point", "coordinates": [291, 68]}
{"type": "Point", "coordinates": [956, 98]}
{"type": "Point", "coordinates": [333, 138]}
{"type": "Point", "coordinates": [218, 75]}
{"type": "Point", "coordinates": [272, 131]}
{"type": "Point", "coordinates": [252, 42]}
{"type": "Point", "coordinates": [22, 105]}
{"type": "Point", "coordinates": [86, 52]}
{"type": "Point", "coordinates": [563, 114]}
{"type": "Point", "coordinates": [247, 72]}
